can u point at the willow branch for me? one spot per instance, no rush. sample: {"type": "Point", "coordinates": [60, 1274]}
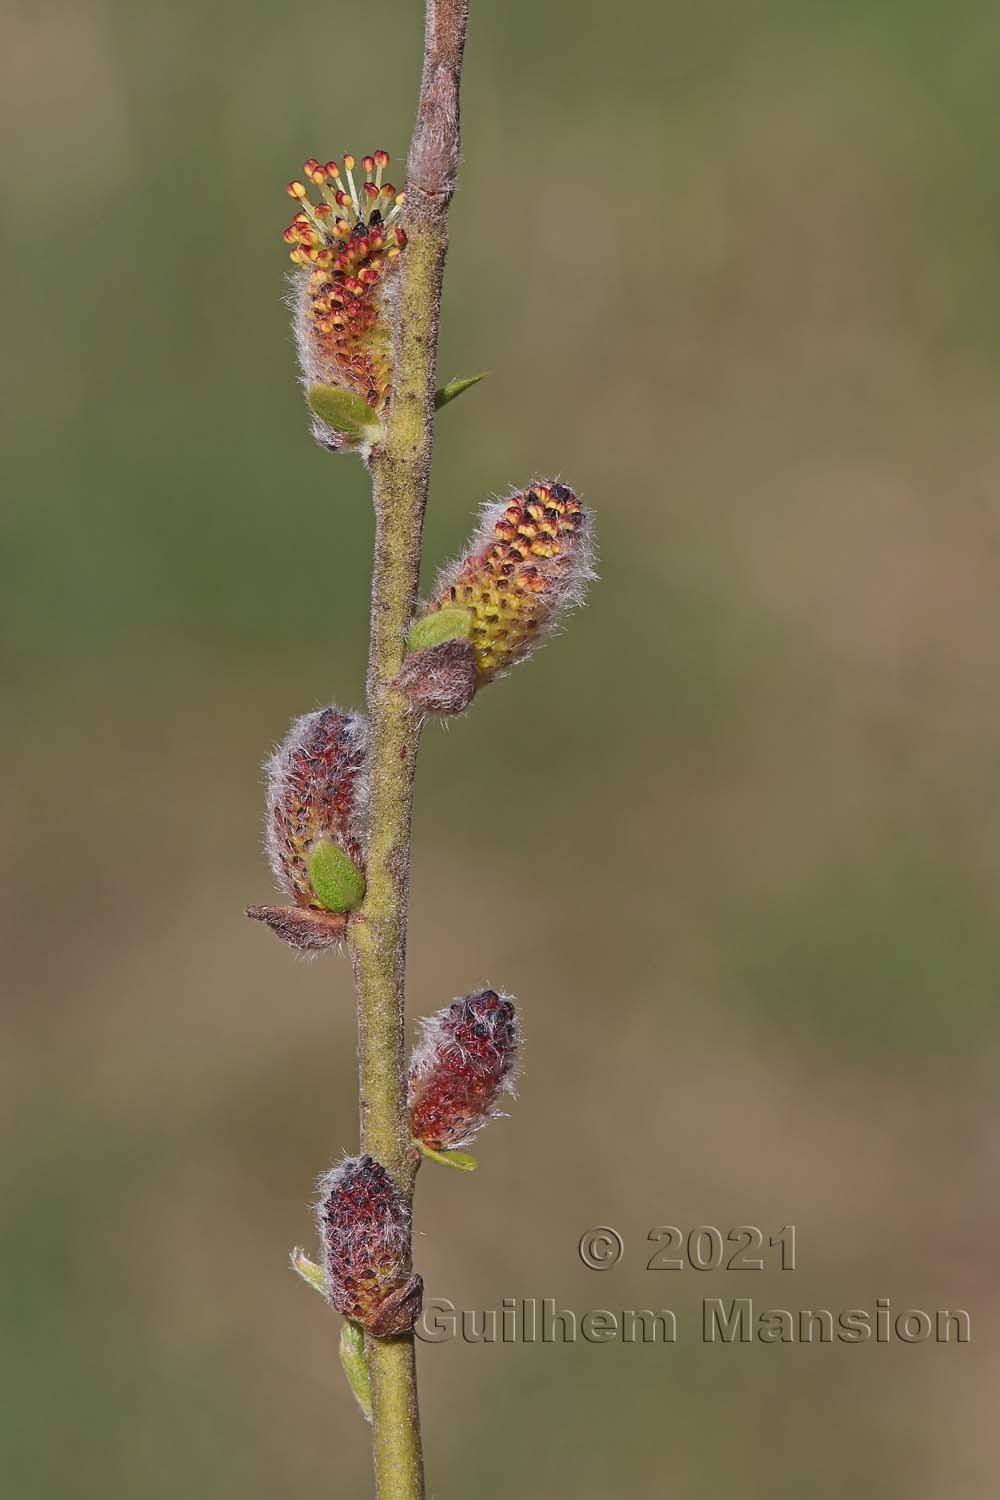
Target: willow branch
{"type": "Point", "coordinates": [400, 470]}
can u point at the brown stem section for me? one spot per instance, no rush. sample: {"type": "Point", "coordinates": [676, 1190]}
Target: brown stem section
{"type": "Point", "coordinates": [400, 470]}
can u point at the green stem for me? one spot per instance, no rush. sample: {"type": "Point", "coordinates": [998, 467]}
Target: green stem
{"type": "Point", "coordinates": [400, 470]}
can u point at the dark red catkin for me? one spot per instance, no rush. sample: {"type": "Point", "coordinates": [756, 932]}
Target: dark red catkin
{"type": "Point", "coordinates": [317, 790]}
{"type": "Point", "coordinates": [364, 1227]}
{"type": "Point", "coordinates": [464, 1062]}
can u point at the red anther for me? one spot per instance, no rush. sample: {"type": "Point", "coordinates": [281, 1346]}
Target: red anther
{"type": "Point", "coordinates": [351, 259]}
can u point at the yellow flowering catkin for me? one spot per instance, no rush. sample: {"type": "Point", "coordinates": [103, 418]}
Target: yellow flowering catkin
{"type": "Point", "coordinates": [527, 564]}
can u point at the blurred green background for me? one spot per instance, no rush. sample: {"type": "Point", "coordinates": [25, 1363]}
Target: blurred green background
{"type": "Point", "coordinates": [733, 840]}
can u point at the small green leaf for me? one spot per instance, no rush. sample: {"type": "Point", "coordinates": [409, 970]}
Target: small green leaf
{"type": "Point", "coordinates": [439, 626]}
{"type": "Point", "coordinates": [311, 1273]}
{"type": "Point", "coordinates": [337, 882]}
{"type": "Point", "coordinates": [446, 393]}
{"type": "Point", "coordinates": [344, 411]}
{"type": "Point", "coordinates": [355, 1363]}
{"type": "Point", "coordinates": [460, 1160]}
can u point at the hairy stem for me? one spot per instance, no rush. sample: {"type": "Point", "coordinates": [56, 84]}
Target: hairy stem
{"type": "Point", "coordinates": [400, 470]}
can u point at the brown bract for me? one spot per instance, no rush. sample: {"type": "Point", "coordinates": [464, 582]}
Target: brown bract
{"type": "Point", "coordinates": [440, 679]}
{"type": "Point", "coordinates": [305, 928]}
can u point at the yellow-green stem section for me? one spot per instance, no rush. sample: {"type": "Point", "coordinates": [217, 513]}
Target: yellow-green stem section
{"type": "Point", "coordinates": [378, 934]}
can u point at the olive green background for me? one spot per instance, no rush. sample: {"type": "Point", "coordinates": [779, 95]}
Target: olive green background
{"type": "Point", "coordinates": [732, 840]}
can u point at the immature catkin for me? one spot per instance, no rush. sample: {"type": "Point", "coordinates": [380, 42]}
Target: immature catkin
{"type": "Point", "coordinates": [345, 249]}
{"type": "Point", "coordinates": [465, 1060]}
{"type": "Point", "coordinates": [364, 1227]}
{"type": "Point", "coordinates": [528, 563]}
{"type": "Point", "coordinates": [316, 808]}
